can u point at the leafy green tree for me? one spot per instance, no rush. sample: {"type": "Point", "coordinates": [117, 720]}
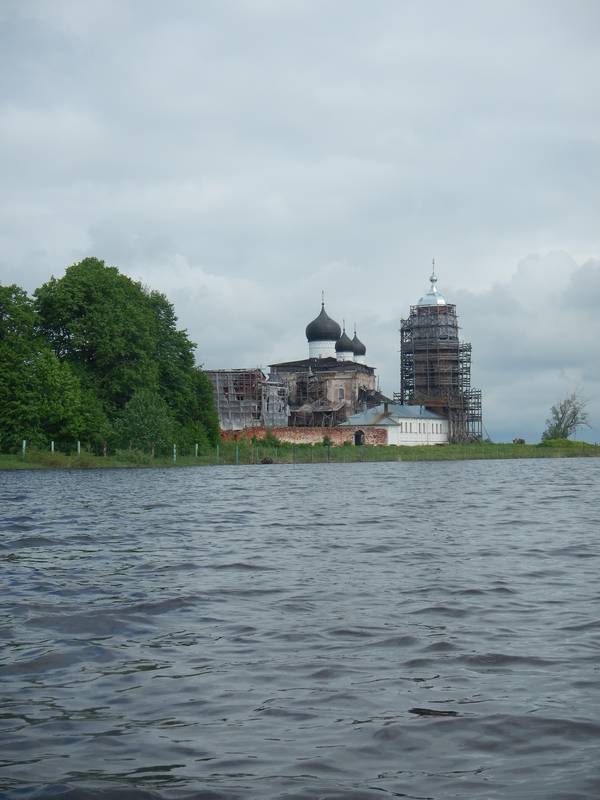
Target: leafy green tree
{"type": "Point", "coordinates": [101, 323]}
{"type": "Point", "coordinates": [202, 406]}
{"type": "Point", "coordinates": [123, 339]}
{"type": "Point", "coordinates": [91, 342]}
{"type": "Point", "coordinates": [40, 397]}
{"type": "Point", "coordinates": [57, 399]}
{"type": "Point", "coordinates": [146, 422]}
{"type": "Point", "coordinates": [565, 417]}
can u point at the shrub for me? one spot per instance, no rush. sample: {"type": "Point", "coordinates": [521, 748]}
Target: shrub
{"type": "Point", "coordinates": [270, 440]}
{"type": "Point", "coordinates": [564, 443]}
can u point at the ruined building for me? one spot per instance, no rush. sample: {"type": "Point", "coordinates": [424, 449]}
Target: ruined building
{"type": "Point", "coordinates": [334, 382]}
{"type": "Point", "coordinates": [435, 366]}
{"type": "Point", "coordinates": [245, 398]}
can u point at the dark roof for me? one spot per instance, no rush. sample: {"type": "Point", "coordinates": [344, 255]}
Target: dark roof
{"type": "Point", "coordinates": [323, 328]}
{"type": "Point", "coordinates": [359, 348]}
{"type": "Point", "coordinates": [344, 344]}
{"type": "Point", "coordinates": [328, 364]}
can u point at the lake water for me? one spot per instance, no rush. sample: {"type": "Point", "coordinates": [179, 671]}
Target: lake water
{"type": "Point", "coordinates": [269, 631]}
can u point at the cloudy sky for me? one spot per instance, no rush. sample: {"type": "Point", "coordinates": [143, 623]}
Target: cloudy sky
{"type": "Point", "coordinates": [243, 155]}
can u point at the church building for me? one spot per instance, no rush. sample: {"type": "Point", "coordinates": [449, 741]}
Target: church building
{"type": "Point", "coordinates": [334, 382]}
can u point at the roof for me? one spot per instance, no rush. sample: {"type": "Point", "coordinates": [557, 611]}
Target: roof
{"type": "Point", "coordinates": [395, 413]}
{"type": "Point", "coordinates": [344, 344]}
{"type": "Point", "coordinates": [318, 406]}
{"type": "Point", "coordinates": [433, 297]}
{"type": "Point", "coordinates": [359, 348]}
{"type": "Point", "coordinates": [328, 364]}
{"type": "Point", "coordinates": [323, 328]}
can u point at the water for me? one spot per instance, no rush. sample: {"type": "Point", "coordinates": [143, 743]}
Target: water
{"type": "Point", "coordinates": [268, 631]}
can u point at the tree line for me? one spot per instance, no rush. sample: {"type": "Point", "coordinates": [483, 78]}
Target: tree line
{"type": "Point", "coordinates": [96, 357]}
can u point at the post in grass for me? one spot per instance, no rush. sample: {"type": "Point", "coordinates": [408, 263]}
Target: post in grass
{"type": "Point", "coordinates": [174, 453]}
{"type": "Point", "coordinates": [78, 447]}
{"type": "Point", "coordinates": [52, 446]}
{"type": "Point", "coordinates": [23, 447]}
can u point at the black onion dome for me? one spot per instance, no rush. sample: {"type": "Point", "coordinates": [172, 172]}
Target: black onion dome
{"type": "Point", "coordinates": [344, 344]}
{"type": "Point", "coordinates": [323, 328]}
{"type": "Point", "coordinates": [358, 346]}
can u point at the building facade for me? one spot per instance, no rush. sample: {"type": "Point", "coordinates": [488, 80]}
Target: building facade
{"type": "Point", "coordinates": [334, 382]}
{"type": "Point", "coordinates": [403, 425]}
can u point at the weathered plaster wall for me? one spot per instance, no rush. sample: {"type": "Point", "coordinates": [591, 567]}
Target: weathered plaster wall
{"type": "Point", "coordinates": [375, 436]}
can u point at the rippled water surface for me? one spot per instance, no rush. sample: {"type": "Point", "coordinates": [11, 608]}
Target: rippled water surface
{"type": "Point", "coordinates": [280, 632]}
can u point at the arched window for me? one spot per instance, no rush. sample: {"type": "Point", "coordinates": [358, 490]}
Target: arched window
{"type": "Point", "coordinates": [359, 438]}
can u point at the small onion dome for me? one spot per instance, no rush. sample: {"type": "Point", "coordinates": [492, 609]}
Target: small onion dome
{"type": "Point", "coordinates": [323, 328]}
{"type": "Point", "coordinates": [344, 344]}
{"type": "Point", "coordinates": [358, 346]}
{"type": "Point", "coordinates": [433, 297]}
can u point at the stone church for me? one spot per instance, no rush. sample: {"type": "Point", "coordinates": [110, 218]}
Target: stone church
{"type": "Point", "coordinates": [334, 382]}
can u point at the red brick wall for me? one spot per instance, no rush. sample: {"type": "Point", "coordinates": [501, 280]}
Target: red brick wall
{"type": "Point", "coordinates": [376, 436]}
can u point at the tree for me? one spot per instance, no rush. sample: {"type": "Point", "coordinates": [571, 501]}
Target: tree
{"type": "Point", "coordinates": [565, 417]}
{"type": "Point", "coordinates": [40, 397]}
{"type": "Point", "coordinates": [145, 422]}
{"type": "Point", "coordinates": [73, 359]}
{"type": "Point", "coordinates": [101, 323]}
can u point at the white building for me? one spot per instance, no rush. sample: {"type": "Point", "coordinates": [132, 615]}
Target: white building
{"type": "Point", "coordinates": [404, 424]}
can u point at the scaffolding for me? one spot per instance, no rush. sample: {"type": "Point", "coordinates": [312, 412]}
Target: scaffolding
{"type": "Point", "coordinates": [311, 407]}
{"type": "Point", "coordinates": [435, 370]}
{"type": "Point", "coordinates": [244, 398]}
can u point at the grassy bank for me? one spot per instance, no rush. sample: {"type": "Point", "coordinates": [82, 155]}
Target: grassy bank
{"type": "Point", "coordinates": [256, 453]}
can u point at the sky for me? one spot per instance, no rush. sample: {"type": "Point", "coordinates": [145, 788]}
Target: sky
{"type": "Point", "coordinates": [244, 155]}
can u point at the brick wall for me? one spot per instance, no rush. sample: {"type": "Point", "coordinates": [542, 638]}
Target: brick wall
{"type": "Point", "coordinates": [376, 436]}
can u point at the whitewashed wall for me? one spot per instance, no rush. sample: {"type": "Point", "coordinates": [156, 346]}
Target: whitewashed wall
{"type": "Point", "coordinates": [321, 349]}
{"type": "Point", "coordinates": [414, 432]}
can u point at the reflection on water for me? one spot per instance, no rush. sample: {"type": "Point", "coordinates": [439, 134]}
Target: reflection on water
{"type": "Point", "coordinates": [334, 631]}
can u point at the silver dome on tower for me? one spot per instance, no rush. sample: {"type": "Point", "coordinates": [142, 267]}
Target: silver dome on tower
{"type": "Point", "coordinates": [433, 297]}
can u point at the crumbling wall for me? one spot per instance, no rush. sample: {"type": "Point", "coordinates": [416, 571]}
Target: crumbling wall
{"type": "Point", "coordinates": [372, 436]}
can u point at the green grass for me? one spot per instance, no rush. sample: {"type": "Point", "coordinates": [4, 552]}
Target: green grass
{"type": "Point", "coordinates": [255, 453]}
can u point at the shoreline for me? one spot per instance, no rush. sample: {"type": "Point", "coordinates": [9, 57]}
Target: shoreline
{"type": "Point", "coordinates": [245, 454]}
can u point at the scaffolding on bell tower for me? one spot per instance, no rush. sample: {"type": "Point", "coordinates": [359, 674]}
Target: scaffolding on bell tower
{"type": "Point", "coordinates": [435, 367]}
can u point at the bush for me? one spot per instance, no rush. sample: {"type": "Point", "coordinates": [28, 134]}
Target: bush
{"type": "Point", "coordinates": [561, 443]}
{"type": "Point", "coordinates": [270, 440]}
{"type": "Point", "coordinates": [136, 457]}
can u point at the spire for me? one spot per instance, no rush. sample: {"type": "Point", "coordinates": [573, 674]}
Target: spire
{"type": "Point", "coordinates": [433, 277]}
{"type": "Point", "coordinates": [322, 298]}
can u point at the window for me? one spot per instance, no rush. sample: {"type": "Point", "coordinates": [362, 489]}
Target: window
{"type": "Point", "coordinates": [340, 392]}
